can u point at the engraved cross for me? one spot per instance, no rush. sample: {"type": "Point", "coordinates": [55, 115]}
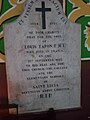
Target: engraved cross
{"type": "Point", "coordinates": [43, 10]}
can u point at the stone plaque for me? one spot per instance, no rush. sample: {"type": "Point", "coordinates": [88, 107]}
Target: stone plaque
{"type": "Point", "coordinates": [43, 58]}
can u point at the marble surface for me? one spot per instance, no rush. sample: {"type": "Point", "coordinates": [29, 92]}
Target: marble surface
{"type": "Point", "coordinates": [43, 58]}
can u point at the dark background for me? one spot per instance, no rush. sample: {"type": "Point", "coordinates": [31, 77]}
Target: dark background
{"type": "Point", "coordinates": [79, 114]}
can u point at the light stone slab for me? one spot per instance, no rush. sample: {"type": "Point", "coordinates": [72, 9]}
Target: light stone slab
{"type": "Point", "coordinates": [43, 58]}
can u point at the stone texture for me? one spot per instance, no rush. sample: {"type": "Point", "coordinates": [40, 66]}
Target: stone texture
{"type": "Point", "coordinates": [43, 58]}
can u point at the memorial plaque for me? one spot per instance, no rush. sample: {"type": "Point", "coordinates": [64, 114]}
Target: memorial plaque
{"type": "Point", "coordinates": [43, 58]}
